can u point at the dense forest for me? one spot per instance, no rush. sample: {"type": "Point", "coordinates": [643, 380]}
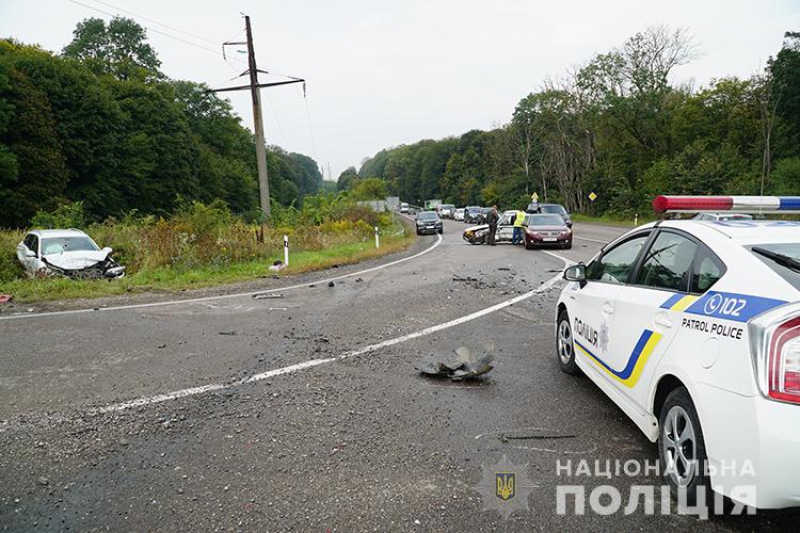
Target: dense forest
{"type": "Point", "coordinates": [101, 124]}
{"type": "Point", "coordinates": [618, 126]}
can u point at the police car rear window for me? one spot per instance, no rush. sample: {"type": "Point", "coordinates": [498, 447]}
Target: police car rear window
{"type": "Point", "coordinates": [783, 258]}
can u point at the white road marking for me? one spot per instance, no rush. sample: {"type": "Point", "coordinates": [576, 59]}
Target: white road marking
{"type": "Point", "coordinates": [354, 353]}
{"type": "Point", "coordinates": [591, 240]}
{"type": "Point", "coordinates": [223, 296]}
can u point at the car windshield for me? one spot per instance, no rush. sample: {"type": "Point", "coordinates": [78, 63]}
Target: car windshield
{"type": "Point", "coordinates": [448, 206]}
{"type": "Point", "coordinates": [557, 209]}
{"type": "Point", "coordinates": [57, 245]}
{"type": "Point", "coordinates": [427, 216]}
{"type": "Point", "coordinates": [545, 220]}
{"type": "Point", "coordinates": [783, 258]}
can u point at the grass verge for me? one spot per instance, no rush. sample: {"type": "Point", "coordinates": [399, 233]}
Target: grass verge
{"type": "Point", "coordinates": [166, 279]}
{"type": "Point", "coordinates": [612, 220]}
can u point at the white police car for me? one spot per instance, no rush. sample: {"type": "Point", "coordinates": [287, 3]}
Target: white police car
{"type": "Point", "coordinates": [693, 329]}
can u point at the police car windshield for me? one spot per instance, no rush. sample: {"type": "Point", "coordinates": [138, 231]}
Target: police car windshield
{"type": "Point", "coordinates": [783, 258]}
{"type": "Point", "coordinates": [427, 216]}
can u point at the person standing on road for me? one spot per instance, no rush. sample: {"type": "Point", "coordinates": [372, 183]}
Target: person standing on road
{"type": "Point", "coordinates": [492, 218]}
{"type": "Point", "coordinates": [518, 220]}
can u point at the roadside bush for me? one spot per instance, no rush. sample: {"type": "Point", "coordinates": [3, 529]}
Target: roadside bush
{"type": "Point", "coordinates": [69, 215]}
{"type": "Point", "coordinates": [10, 267]}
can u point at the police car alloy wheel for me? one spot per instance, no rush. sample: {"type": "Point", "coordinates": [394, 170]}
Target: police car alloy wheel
{"type": "Point", "coordinates": [681, 447]}
{"type": "Point", "coordinates": [565, 346]}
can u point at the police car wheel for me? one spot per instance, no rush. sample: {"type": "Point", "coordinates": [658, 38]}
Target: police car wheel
{"type": "Point", "coordinates": [565, 346]}
{"type": "Point", "coordinates": [681, 448]}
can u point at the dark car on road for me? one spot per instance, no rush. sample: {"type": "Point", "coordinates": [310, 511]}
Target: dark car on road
{"type": "Point", "coordinates": [556, 209]}
{"type": "Point", "coordinates": [429, 222]}
{"type": "Point", "coordinates": [547, 230]}
{"type": "Point", "coordinates": [473, 215]}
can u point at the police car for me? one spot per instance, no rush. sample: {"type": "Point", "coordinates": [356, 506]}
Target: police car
{"type": "Point", "coordinates": [692, 328]}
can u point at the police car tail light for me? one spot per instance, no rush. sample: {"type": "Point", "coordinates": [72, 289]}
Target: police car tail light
{"type": "Point", "coordinates": [775, 346]}
{"type": "Point", "coordinates": [715, 204]}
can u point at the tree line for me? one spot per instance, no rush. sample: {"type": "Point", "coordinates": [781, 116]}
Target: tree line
{"type": "Point", "coordinates": [101, 124]}
{"type": "Point", "coordinates": [618, 126]}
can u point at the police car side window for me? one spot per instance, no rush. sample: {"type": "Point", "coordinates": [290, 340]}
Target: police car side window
{"type": "Point", "coordinates": [668, 262]}
{"type": "Point", "coordinates": [616, 264]}
{"type": "Point", "coordinates": [707, 270]}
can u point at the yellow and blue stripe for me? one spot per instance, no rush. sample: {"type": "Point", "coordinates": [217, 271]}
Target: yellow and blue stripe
{"type": "Point", "coordinates": [679, 302]}
{"type": "Point", "coordinates": [629, 375]}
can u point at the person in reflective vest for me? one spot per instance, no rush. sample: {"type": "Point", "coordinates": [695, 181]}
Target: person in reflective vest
{"type": "Point", "coordinates": [518, 221]}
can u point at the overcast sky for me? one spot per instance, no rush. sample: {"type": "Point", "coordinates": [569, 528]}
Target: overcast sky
{"type": "Point", "coordinates": [386, 73]}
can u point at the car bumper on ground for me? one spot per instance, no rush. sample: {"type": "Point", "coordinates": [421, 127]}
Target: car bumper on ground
{"type": "Point", "coordinates": [752, 445]}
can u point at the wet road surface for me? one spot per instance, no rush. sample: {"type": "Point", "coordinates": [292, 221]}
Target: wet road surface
{"type": "Point", "coordinates": [294, 413]}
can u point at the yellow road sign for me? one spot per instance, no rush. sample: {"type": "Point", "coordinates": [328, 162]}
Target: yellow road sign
{"type": "Point", "coordinates": [592, 196]}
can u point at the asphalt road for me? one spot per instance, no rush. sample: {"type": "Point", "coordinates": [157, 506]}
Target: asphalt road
{"type": "Point", "coordinates": [303, 411]}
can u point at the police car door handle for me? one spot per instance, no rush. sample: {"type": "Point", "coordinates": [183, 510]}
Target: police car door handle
{"type": "Point", "coordinates": [662, 320]}
{"type": "Point", "coordinates": [608, 309]}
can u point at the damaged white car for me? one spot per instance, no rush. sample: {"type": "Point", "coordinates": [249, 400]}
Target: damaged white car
{"type": "Point", "coordinates": [66, 252]}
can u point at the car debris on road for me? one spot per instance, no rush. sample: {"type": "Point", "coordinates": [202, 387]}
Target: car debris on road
{"type": "Point", "coordinates": [462, 366]}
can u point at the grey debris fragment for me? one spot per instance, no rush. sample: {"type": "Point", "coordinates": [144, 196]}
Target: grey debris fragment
{"type": "Point", "coordinates": [267, 296]}
{"type": "Point", "coordinates": [463, 366]}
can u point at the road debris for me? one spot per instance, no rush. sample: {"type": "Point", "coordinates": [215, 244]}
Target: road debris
{"type": "Point", "coordinates": [359, 280]}
{"type": "Point", "coordinates": [231, 333]}
{"type": "Point", "coordinates": [331, 284]}
{"type": "Point", "coordinates": [461, 367]}
{"type": "Point", "coordinates": [277, 266]}
{"type": "Point", "coordinates": [533, 433]}
{"type": "Point", "coordinates": [267, 296]}
{"type": "Point", "coordinates": [5, 298]}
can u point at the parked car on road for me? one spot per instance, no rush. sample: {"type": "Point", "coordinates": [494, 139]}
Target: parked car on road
{"type": "Point", "coordinates": [429, 222]}
{"type": "Point", "coordinates": [472, 215]}
{"type": "Point", "coordinates": [692, 328]}
{"type": "Point", "coordinates": [547, 230]}
{"type": "Point", "coordinates": [458, 214]}
{"type": "Point", "coordinates": [66, 252]}
{"type": "Point", "coordinates": [446, 210]}
{"type": "Point", "coordinates": [558, 210]}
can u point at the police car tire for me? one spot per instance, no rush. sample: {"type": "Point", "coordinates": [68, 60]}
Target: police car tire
{"type": "Point", "coordinates": [679, 398]}
{"type": "Point", "coordinates": [569, 367]}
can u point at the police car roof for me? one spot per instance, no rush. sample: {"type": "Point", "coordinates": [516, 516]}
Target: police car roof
{"type": "Point", "coordinates": [744, 230]}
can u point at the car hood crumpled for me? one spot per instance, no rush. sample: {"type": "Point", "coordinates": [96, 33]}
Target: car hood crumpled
{"type": "Point", "coordinates": [76, 260]}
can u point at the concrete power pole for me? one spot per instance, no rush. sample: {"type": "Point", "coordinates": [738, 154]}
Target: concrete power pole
{"type": "Point", "coordinates": [258, 120]}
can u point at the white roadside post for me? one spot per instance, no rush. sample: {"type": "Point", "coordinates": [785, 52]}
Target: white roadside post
{"type": "Point", "coordinates": [286, 250]}
{"type": "Point", "coordinates": [636, 219]}
{"type": "Point", "coordinates": [377, 238]}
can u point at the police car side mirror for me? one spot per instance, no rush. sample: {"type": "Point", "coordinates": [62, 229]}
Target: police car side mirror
{"type": "Point", "coordinates": [576, 273]}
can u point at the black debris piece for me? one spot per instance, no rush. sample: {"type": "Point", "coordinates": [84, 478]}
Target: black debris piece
{"type": "Point", "coordinates": [461, 366]}
{"type": "Point", "coordinates": [331, 284]}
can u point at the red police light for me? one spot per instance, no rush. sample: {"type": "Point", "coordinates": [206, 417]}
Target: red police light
{"type": "Point", "coordinates": [662, 204]}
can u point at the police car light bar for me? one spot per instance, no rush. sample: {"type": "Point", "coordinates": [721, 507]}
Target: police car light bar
{"type": "Point", "coordinates": [734, 204]}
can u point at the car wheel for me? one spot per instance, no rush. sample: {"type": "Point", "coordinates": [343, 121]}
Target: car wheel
{"type": "Point", "coordinates": [564, 345]}
{"type": "Point", "coordinates": [681, 448]}
{"type": "Point", "coordinates": [419, 232]}
{"type": "Point", "coordinates": [528, 245]}
{"type": "Point", "coordinates": [441, 231]}
{"type": "Point", "coordinates": [568, 246]}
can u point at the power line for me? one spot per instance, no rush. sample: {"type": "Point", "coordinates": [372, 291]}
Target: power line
{"type": "Point", "coordinates": [216, 52]}
{"type": "Point", "coordinates": [200, 37]}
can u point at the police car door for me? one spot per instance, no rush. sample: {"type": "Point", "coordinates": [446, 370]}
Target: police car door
{"type": "Point", "coordinates": [591, 307]}
{"type": "Point", "coordinates": [648, 313]}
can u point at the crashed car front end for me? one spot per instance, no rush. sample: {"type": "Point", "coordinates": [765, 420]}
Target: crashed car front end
{"type": "Point", "coordinates": [476, 234]}
{"type": "Point", "coordinates": [83, 267]}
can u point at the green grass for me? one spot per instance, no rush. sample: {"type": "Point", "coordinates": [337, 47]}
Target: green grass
{"type": "Point", "coordinates": [170, 280]}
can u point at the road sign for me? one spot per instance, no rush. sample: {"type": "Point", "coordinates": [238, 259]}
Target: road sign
{"type": "Point", "coordinates": [534, 197]}
{"type": "Point", "coordinates": [592, 196]}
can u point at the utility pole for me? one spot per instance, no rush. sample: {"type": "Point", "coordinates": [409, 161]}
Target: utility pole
{"type": "Point", "coordinates": [258, 120]}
